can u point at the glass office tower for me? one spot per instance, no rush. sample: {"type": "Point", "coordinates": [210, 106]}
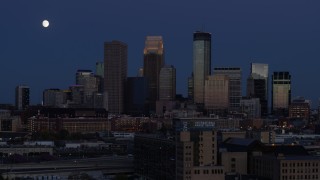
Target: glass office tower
{"type": "Point", "coordinates": [167, 83]}
{"type": "Point", "coordinates": [22, 97]}
{"type": "Point", "coordinates": [89, 81]}
{"type": "Point", "coordinates": [190, 88]}
{"type": "Point", "coordinates": [234, 75]}
{"type": "Point", "coordinates": [136, 96]}
{"type": "Point", "coordinates": [201, 63]}
{"type": "Point", "coordinates": [152, 63]}
{"type": "Point", "coordinates": [257, 85]}
{"type": "Point", "coordinates": [100, 69]}
{"type": "Point", "coordinates": [281, 92]}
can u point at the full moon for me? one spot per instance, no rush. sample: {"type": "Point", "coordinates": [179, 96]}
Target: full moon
{"type": "Point", "coordinates": [45, 23]}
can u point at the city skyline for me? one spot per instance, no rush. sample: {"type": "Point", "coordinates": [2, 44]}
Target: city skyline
{"type": "Point", "coordinates": [184, 90]}
{"type": "Point", "coordinates": [48, 58]}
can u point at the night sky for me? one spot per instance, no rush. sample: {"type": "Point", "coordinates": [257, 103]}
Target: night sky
{"type": "Point", "coordinates": [282, 33]}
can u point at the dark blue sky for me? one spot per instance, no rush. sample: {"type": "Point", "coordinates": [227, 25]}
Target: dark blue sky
{"type": "Point", "coordinates": [285, 34]}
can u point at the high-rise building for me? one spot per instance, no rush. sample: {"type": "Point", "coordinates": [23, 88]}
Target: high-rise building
{"type": "Point", "coordinates": [115, 73]}
{"type": "Point", "coordinates": [201, 63]}
{"type": "Point", "coordinates": [259, 70]}
{"type": "Point", "coordinates": [100, 76]}
{"type": "Point", "coordinates": [99, 83]}
{"type": "Point", "coordinates": [250, 107]}
{"type": "Point", "coordinates": [257, 85]}
{"type": "Point", "coordinates": [22, 97]}
{"type": "Point", "coordinates": [234, 75]}
{"type": "Point", "coordinates": [98, 100]}
{"type": "Point", "coordinates": [100, 69]}
{"type": "Point", "coordinates": [136, 96]}
{"type": "Point", "coordinates": [54, 98]}
{"type": "Point", "coordinates": [300, 108]}
{"type": "Point", "coordinates": [77, 96]}
{"type": "Point", "coordinates": [190, 88]}
{"type": "Point", "coordinates": [167, 83]}
{"type": "Point", "coordinates": [281, 92]}
{"type": "Point", "coordinates": [217, 94]}
{"type": "Point", "coordinates": [152, 64]}
{"type": "Point", "coordinates": [140, 72]}
{"type": "Point", "coordinates": [88, 80]}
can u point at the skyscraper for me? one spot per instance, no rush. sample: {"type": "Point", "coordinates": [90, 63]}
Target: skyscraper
{"type": "Point", "coordinates": [115, 73]}
{"type": "Point", "coordinates": [22, 97]}
{"type": "Point", "coordinates": [190, 88]}
{"type": "Point", "coordinates": [140, 72]}
{"type": "Point", "coordinates": [54, 98]}
{"type": "Point", "coordinates": [167, 83]}
{"type": "Point", "coordinates": [251, 107]}
{"type": "Point", "coordinates": [281, 92]}
{"type": "Point", "coordinates": [217, 94]}
{"type": "Point", "coordinates": [152, 64]}
{"type": "Point", "coordinates": [257, 85]}
{"type": "Point", "coordinates": [100, 76]}
{"type": "Point", "coordinates": [136, 96]}
{"type": "Point", "coordinates": [77, 96]}
{"type": "Point", "coordinates": [90, 84]}
{"type": "Point", "coordinates": [100, 69]}
{"type": "Point", "coordinates": [234, 75]}
{"type": "Point", "coordinates": [201, 63]}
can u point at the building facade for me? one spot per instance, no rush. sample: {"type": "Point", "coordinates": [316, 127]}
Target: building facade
{"type": "Point", "coordinates": [100, 76]}
{"type": "Point", "coordinates": [100, 69]}
{"type": "Point", "coordinates": [235, 92]}
{"type": "Point", "coordinates": [281, 93]}
{"type": "Point", "coordinates": [197, 155]}
{"type": "Point", "coordinates": [201, 63]}
{"type": "Point", "coordinates": [74, 120]}
{"type": "Point", "coordinates": [152, 63]}
{"type": "Point", "coordinates": [54, 98]}
{"type": "Point", "coordinates": [115, 73]}
{"type": "Point", "coordinates": [257, 85]}
{"type": "Point", "coordinates": [167, 83]}
{"type": "Point", "coordinates": [154, 157]}
{"type": "Point", "coordinates": [9, 123]}
{"type": "Point", "coordinates": [234, 162]}
{"type": "Point", "coordinates": [88, 80]}
{"type": "Point", "coordinates": [136, 96]}
{"type": "Point", "coordinates": [185, 124]}
{"type": "Point", "coordinates": [190, 88]}
{"type": "Point", "coordinates": [217, 94]}
{"type": "Point", "coordinates": [140, 72]}
{"type": "Point", "coordinates": [300, 108]}
{"type": "Point", "coordinates": [77, 96]}
{"type": "Point", "coordinates": [251, 107]}
{"type": "Point", "coordinates": [72, 125]}
{"type": "Point", "coordinates": [22, 97]}
{"type": "Point", "coordinates": [282, 167]}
